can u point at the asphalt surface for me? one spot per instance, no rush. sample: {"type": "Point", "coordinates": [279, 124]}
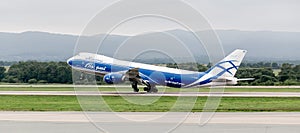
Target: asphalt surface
{"type": "Point", "coordinates": [147, 122]}
{"type": "Point", "coordinates": [125, 86]}
{"type": "Point", "coordinates": [98, 93]}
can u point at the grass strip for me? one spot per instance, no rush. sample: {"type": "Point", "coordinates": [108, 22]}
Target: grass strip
{"type": "Point", "coordinates": [147, 104]}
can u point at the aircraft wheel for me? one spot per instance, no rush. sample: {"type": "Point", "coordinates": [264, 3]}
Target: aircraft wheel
{"type": "Point", "coordinates": [146, 89]}
{"type": "Point", "coordinates": [135, 88]}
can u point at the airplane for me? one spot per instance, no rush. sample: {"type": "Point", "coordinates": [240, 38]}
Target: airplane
{"type": "Point", "coordinates": [116, 71]}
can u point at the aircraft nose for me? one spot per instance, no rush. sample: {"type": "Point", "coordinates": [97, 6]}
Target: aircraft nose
{"type": "Point", "coordinates": [69, 61]}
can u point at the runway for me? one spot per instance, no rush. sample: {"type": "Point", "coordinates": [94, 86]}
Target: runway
{"type": "Point", "coordinates": [134, 122]}
{"type": "Point", "coordinates": [120, 86]}
{"type": "Point", "coordinates": [190, 94]}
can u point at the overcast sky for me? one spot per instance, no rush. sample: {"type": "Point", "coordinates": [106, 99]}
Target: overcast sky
{"type": "Point", "coordinates": [71, 16]}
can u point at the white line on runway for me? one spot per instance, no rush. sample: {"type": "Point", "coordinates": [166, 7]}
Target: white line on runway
{"type": "Point", "coordinates": [122, 86]}
{"type": "Point", "coordinates": [191, 94]}
{"type": "Point", "coordinates": [219, 117]}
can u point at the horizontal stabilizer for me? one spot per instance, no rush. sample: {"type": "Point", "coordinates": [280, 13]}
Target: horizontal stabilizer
{"type": "Point", "coordinates": [245, 79]}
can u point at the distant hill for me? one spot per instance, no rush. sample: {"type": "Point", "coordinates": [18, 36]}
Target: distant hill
{"type": "Point", "coordinates": [35, 46]}
{"type": "Point", "coordinates": [263, 45]}
{"type": "Point", "coordinates": [42, 46]}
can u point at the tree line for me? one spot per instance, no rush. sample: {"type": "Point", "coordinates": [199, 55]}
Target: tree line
{"type": "Point", "coordinates": [268, 74]}
{"type": "Point", "coordinates": [61, 72]}
{"type": "Point", "coordinates": [37, 72]}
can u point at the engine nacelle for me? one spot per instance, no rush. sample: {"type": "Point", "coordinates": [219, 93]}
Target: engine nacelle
{"type": "Point", "coordinates": [114, 78]}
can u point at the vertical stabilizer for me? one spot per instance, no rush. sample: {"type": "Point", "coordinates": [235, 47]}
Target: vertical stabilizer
{"type": "Point", "coordinates": [229, 65]}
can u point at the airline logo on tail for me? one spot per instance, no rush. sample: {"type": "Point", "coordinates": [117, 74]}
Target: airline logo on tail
{"type": "Point", "coordinates": [229, 65]}
{"type": "Point", "coordinates": [224, 70]}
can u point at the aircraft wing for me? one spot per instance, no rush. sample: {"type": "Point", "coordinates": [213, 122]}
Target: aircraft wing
{"type": "Point", "coordinates": [133, 75]}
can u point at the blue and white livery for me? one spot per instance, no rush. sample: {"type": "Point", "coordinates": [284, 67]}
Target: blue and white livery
{"type": "Point", "coordinates": [116, 71]}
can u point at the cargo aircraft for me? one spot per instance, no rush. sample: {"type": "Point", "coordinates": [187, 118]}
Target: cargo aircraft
{"type": "Point", "coordinates": [116, 71]}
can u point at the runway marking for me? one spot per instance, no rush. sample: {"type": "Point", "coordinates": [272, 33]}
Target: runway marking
{"type": "Point", "coordinates": [190, 94]}
{"type": "Point", "coordinates": [281, 118]}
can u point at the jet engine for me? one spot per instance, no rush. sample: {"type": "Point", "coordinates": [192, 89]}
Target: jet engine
{"type": "Point", "coordinates": [114, 78]}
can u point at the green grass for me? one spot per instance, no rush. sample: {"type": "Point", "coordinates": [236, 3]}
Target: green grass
{"type": "Point", "coordinates": [160, 104]}
{"type": "Point", "coordinates": [39, 103]}
{"type": "Point", "coordinates": [160, 89]}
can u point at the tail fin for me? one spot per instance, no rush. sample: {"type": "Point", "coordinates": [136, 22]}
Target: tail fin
{"type": "Point", "coordinates": [229, 65]}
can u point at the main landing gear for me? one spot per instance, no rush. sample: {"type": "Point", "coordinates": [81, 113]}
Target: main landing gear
{"type": "Point", "coordinates": [135, 79]}
{"type": "Point", "coordinates": [152, 89]}
{"type": "Point", "coordinates": [134, 86]}
{"type": "Point", "coordinates": [149, 88]}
